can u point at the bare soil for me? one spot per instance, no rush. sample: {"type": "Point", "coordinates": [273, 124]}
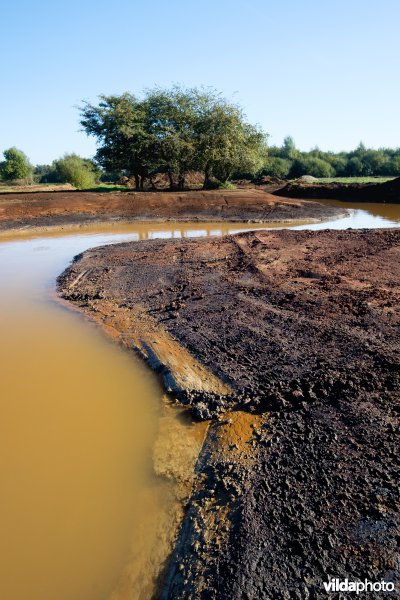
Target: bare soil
{"type": "Point", "coordinates": [297, 481]}
{"type": "Point", "coordinates": [17, 188]}
{"type": "Point", "coordinates": [67, 209]}
{"type": "Point", "coordinates": [355, 192]}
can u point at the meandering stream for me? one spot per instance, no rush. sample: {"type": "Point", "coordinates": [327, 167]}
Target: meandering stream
{"type": "Point", "coordinates": [81, 507]}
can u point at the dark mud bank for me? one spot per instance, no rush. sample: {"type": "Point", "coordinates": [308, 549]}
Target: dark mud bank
{"type": "Point", "coordinates": [298, 479]}
{"type": "Point", "coordinates": [388, 192]}
{"type": "Point", "coordinates": [28, 212]}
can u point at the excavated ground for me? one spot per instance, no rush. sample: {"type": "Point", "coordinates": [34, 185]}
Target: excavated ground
{"type": "Point", "coordinates": [388, 192]}
{"type": "Point", "coordinates": [44, 210]}
{"type": "Point", "coordinates": [296, 335]}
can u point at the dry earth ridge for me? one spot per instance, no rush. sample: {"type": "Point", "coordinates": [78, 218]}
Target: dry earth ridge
{"type": "Point", "coordinates": [47, 210]}
{"type": "Point", "coordinates": [352, 192]}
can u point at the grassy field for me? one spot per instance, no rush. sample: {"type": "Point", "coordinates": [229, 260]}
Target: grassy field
{"type": "Point", "coordinates": [108, 187]}
{"type": "Point", "coordinates": [354, 179]}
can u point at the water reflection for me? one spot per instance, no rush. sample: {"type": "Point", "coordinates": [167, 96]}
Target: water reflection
{"type": "Point", "coordinates": [362, 215]}
{"type": "Point", "coordinates": [78, 424]}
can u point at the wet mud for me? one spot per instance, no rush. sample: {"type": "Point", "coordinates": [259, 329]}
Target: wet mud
{"type": "Point", "coordinates": [42, 211]}
{"type": "Point", "coordinates": [287, 342]}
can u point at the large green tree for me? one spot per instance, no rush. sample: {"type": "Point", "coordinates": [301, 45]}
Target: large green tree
{"type": "Point", "coordinates": [15, 166]}
{"type": "Point", "coordinates": [174, 131]}
{"type": "Point", "coordinates": [120, 124]}
{"type": "Point", "coordinates": [289, 149]}
{"type": "Point", "coordinates": [171, 121]}
{"type": "Point", "coordinates": [225, 142]}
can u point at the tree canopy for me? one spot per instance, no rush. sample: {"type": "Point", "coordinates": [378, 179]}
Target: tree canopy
{"type": "Point", "coordinates": [174, 131]}
{"type": "Point", "coordinates": [179, 130]}
{"type": "Point", "coordinates": [361, 162]}
{"type": "Point", "coordinates": [15, 166]}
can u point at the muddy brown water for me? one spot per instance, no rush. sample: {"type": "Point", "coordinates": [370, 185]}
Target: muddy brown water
{"type": "Point", "coordinates": [88, 440]}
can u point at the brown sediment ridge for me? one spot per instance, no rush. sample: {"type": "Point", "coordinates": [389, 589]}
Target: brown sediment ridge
{"type": "Point", "coordinates": [351, 192]}
{"type": "Point", "coordinates": [45, 210]}
{"type": "Point", "coordinates": [288, 342]}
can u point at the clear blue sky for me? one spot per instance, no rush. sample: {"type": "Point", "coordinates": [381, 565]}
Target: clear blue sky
{"type": "Point", "coordinates": [324, 71]}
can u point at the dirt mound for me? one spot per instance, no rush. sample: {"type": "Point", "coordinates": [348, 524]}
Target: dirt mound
{"type": "Point", "coordinates": [161, 181]}
{"type": "Point", "coordinates": [307, 179]}
{"type": "Point", "coordinates": [379, 192]}
{"type": "Point", "coordinates": [27, 211]}
{"type": "Point", "coordinates": [269, 179]}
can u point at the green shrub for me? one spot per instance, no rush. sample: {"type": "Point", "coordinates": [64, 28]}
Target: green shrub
{"type": "Point", "coordinates": [82, 178]}
{"type": "Point", "coordinates": [226, 185]}
{"type": "Point", "coordinates": [16, 166]}
{"type": "Point", "coordinates": [311, 166]}
{"type": "Point", "coordinates": [276, 167]}
{"type": "Point", "coordinates": [75, 170]}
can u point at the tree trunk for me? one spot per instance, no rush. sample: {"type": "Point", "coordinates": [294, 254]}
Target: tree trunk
{"type": "Point", "coordinates": [171, 180]}
{"type": "Point", "coordinates": [206, 179]}
{"type": "Point", "coordinates": [137, 182]}
{"type": "Point", "coordinates": [181, 181]}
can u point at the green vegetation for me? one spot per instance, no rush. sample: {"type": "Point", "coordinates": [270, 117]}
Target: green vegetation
{"type": "Point", "coordinates": [80, 172]}
{"type": "Point", "coordinates": [226, 185]}
{"type": "Point", "coordinates": [289, 162]}
{"type": "Point", "coordinates": [174, 131]}
{"type": "Point", "coordinates": [348, 180]}
{"type": "Point", "coordinates": [277, 167]}
{"type": "Point", "coordinates": [180, 131]}
{"type": "Point", "coordinates": [107, 187]}
{"type": "Point", "coordinates": [16, 166]}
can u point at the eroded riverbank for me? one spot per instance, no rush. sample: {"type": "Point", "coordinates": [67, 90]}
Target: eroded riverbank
{"type": "Point", "coordinates": [44, 211]}
{"type": "Point", "coordinates": [297, 481]}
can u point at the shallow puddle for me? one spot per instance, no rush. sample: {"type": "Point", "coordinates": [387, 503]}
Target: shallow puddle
{"type": "Point", "coordinates": [93, 460]}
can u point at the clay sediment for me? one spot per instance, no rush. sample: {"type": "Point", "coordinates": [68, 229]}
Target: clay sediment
{"type": "Point", "coordinates": [27, 212]}
{"type": "Point", "coordinates": [297, 480]}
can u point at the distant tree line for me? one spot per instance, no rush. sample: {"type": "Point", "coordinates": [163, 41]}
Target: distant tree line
{"type": "Point", "coordinates": [287, 162]}
{"type": "Point", "coordinates": [80, 172]}
{"type": "Point", "coordinates": [179, 130]}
